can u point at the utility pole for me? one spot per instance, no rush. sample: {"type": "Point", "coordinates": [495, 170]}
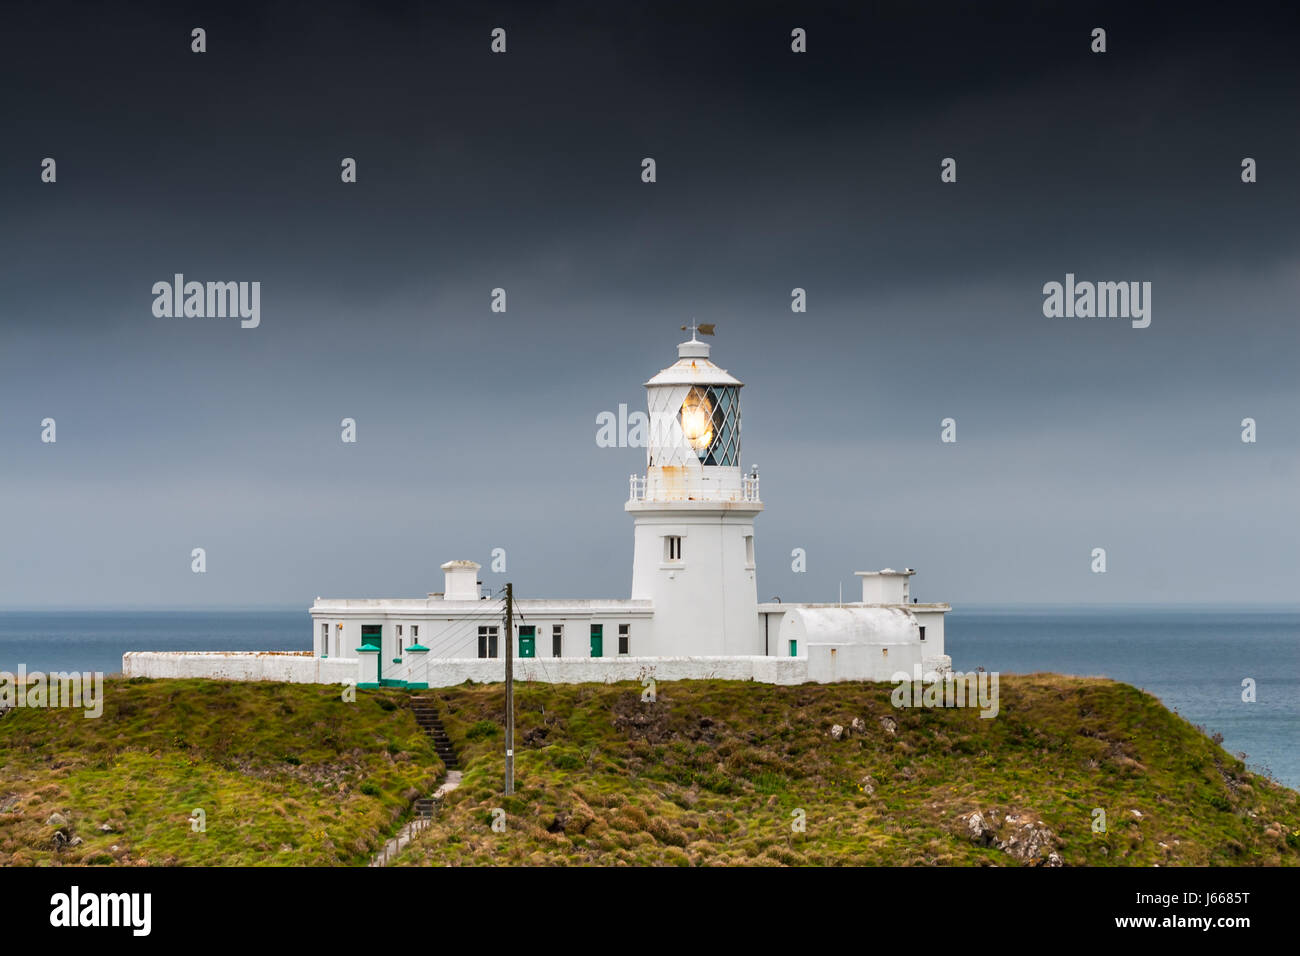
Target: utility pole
{"type": "Point", "coordinates": [510, 690]}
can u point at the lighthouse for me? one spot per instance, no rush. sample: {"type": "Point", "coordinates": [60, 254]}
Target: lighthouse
{"type": "Point", "coordinates": [693, 513]}
{"type": "Point", "coordinates": [693, 612]}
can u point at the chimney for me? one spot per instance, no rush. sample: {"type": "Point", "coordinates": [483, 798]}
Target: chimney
{"type": "Point", "coordinates": [462, 581]}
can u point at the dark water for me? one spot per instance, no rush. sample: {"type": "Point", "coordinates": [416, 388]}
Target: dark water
{"type": "Point", "coordinates": [1194, 661]}
{"type": "Point", "coordinates": [96, 640]}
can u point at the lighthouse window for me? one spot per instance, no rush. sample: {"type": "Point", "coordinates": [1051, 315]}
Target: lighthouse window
{"type": "Point", "coordinates": [922, 633]}
{"type": "Point", "coordinates": [624, 637]}
{"type": "Point", "coordinates": [672, 548]}
{"type": "Point", "coordinates": [487, 641]}
{"type": "Point", "coordinates": [325, 640]}
{"type": "Point", "coordinates": [749, 549]}
{"type": "Point", "coordinates": [557, 639]}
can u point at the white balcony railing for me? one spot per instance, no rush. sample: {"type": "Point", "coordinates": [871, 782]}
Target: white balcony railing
{"type": "Point", "coordinates": [748, 491]}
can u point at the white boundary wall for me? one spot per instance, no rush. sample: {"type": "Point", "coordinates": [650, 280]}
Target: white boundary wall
{"type": "Point", "coordinates": [287, 666]}
{"type": "Point", "coordinates": [302, 668]}
{"type": "Point", "coordinates": [445, 672]}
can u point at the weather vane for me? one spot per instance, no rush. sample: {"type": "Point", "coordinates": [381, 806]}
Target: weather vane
{"type": "Point", "coordinates": [704, 328]}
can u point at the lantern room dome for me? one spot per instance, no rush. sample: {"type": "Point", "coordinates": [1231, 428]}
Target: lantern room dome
{"type": "Point", "coordinates": [693, 367]}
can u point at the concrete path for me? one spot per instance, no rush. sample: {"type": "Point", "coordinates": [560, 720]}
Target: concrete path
{"type": "Point", "coordinates": [404, 835]}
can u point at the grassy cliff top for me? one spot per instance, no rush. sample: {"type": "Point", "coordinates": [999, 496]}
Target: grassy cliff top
{"type": "Point", "coordinates": [715, 772]}
{"type": "Point", "coordinates": [712, 772]}
{"type": "Point", "coordinates": [284, 774]}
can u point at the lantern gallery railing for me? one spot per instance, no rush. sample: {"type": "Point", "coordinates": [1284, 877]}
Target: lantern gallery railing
{"type": "Point", "coordinates": [748, 491]}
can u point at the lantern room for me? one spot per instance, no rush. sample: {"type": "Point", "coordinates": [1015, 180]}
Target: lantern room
{"type": "Point", "coordinates": [694, 443]}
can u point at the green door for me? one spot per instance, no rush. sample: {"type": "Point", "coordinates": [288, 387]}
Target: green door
{"type": "Point", "coordinates": [374, 634]}
{"type": "Point", "coordinates": [597, 640]}
{"type": "Point", "coordinates": [527, 635]}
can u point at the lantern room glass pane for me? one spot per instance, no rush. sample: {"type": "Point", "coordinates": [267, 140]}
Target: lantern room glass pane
{"type": "Point", "coordinates": [710, 421]}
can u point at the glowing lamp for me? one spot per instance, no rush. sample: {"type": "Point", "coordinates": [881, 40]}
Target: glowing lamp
{"type": "Point", "coordinates": [697, 420]}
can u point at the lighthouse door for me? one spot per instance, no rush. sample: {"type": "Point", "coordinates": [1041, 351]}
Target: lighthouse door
{"type": "Point", "coordinates": [597, 640]}
{"type": "Point", "coordinates": [527, 640]}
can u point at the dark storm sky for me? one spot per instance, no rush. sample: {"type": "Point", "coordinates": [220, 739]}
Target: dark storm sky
{"type": "Point", "coordinates": [775, 170]}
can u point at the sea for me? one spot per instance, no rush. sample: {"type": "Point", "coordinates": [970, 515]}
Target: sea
{"type": "Point", "coordinates": [1195, 660]}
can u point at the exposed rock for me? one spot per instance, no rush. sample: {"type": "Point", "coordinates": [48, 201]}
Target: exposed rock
{"type": "Point", "coordinates": [867, 785]}
{"type": "Point", "coordinates": [836, 731]}
{"type": "Point", "coordinates": [76, 841]}
{"type": "Point", "coordinates": [979, 829]}
{"type": "Point", "coordinates": [1028, 843]}
{"type": "Point", "coordinates": [56, 820]}
{"type": "Point", "coordinates": [1020, 836]}
{"type": "Point", "coordinates": [107, 828]}
{"type": "Point", "coordinates": [1136, 813]}
{"type": "Point", "coordinates": [858, 725]}
{"type": "Point", "coordinates": [889, 724]}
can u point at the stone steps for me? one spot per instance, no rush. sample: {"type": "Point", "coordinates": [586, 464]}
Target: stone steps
{"type": "Point", "coordinates": [426, 715]}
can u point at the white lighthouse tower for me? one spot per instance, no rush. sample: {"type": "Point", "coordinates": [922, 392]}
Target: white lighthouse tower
{"type": "Point", "coordinates": [694, 513]}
